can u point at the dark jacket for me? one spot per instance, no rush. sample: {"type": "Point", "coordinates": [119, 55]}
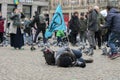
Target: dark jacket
{"type": "Point", "coordinates": [74, 54]}
{"type": "Point", "coordinates": [74, 24]}
{"type": "Point", "coordinates": [92, 20]}
{"type": "Point", "coordinates": [61, 51]}
{"type": "Point", "coordinates": [37, 21]}
{"type": "Point", "coordinates": [83, 24]}
{"type": "Point", "coordinates": [1, 24]}
{"type": "Point", "coordinates": [113, 20]}
{"type": "Point", "coordinates": [101, 20]}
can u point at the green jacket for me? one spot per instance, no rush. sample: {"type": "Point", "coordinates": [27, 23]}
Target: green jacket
{"type": "Point", "coordinates": [60, 33]}
{"type": "Point", "coordinates": [100, 20]}
{"type": "Point", "coordinates": [83, 25]}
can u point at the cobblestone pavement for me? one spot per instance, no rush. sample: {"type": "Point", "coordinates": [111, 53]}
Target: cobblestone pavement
{"type": "Point", "coordinates": [30, 65]}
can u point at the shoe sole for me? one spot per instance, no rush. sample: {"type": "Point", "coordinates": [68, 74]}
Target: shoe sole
{"type": "Point", "coordinates": [115, 57]}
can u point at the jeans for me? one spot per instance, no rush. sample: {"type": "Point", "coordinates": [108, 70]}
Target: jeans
{"type": "Point", "coordinates": [83, 36]}
{"type": "Point", "coordinates": [91, 38]}
{"type": "Point", "coordinates": [77, 53]}
{"type": "Point", "coordinates": [113, 37]}
{"type": "Point", "coordinates": [59, 39]}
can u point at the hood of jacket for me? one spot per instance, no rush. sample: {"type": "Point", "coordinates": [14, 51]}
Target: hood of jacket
{"type": "Point", "coordinates": [113, 10]}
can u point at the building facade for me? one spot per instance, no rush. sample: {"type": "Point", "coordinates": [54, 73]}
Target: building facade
{"type": "Point", "coordinates": [28, 7]}
{"type": "Point", "coordinates": [69, 6]}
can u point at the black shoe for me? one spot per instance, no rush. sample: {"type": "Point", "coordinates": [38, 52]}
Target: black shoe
{"type": "Point", "coordinates": [94, 47]}
{"type": "Point", "coordinates": [99, 47]}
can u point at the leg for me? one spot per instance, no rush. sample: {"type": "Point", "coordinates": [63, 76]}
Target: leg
{"type": "Point", "coordinates": [111, 42]}
{"type": "Point", "coordinates": [74, 38]}
{"type": "Point", "coordinates": [43, 34]}
{"type": "Point", "coordinates": [1, 37]}
{"type": "Point", "coordinates": [91, 39]}
{"type": "Point", "coordinates": [36, 34]}
{"type": "Point", "coordinates": [98, 38]}
{"type": "Point", "coordinates": [58, 40]}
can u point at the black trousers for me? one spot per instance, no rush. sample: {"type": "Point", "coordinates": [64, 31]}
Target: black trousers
{"type": "Point", "coordinates": [43, 33]}
{"type": "Point", "coordinates": [1, 37]}
{"type": "Point", "coordinates": [98, 37]}
{"type": "Point", "coordinates": [73, 38]}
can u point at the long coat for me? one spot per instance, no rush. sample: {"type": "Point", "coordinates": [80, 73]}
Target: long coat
{"type": "Point", "coordinates": [1, 25]}
{"type": "Point", "coordinates": [13, 28]}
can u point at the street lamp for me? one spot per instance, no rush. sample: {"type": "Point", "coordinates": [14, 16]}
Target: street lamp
{"type": "Point", "coordinates": [113, 2]}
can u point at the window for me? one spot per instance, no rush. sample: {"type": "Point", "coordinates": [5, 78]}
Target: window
{"type": "Point", "coordinates": [90, 1]}
{"type": "Point", "coordinates": [39, 9]}
{"type": "Point", "coordinates": [55, 3]}
{"type": "Point", "coordinates": [82, 2]}
{"type": "Point", "coordinates": [65, 2]}
{"type": "Point", "coordinates": [10, 8]}
{"type": "Point", "coordinates": [100, 1]}
{"type": "Point", "coordinates": [75, 2]}
{"type": "Point", "coordinates": [27, 10]}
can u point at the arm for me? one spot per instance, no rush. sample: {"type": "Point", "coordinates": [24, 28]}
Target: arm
{"type": "Point", "coordinates": [92, 18]}
{"type": "Point", "coordinates": [12, 17]}
{"type": "Point", "coordinates": [109, 20]}
{"type": "Point", "coordinates": [22, 15]}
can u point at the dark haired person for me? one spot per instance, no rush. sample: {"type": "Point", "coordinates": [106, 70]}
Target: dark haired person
{"type": "Point", "coordinates": [74, 27]}
{"type": "Point", "coordinates": [40, 22]}
{"type": "Point", "coordinates": [113, 24]}
{"type": "Point", "coordinates": [66, 57]}
{"type": "Point", "coordinates": [16, 29]}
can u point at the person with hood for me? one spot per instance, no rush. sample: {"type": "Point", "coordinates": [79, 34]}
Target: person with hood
{"type": "Point", "coordinates": [74, 27]}
{"type": "Point", "coordinates": [113, 23]}
{"type": "Point", "coordinates": [1, 28]}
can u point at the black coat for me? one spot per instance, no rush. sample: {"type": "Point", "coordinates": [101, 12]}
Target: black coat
{"type": "Point", "coordinates": [74, 24]}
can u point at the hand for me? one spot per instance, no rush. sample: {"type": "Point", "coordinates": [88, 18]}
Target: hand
{"type": "Point", "coordinates": [101, 25]}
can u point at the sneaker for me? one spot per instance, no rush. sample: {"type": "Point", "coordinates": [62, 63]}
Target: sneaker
{"type": "Point", "coordinates": [114, 56]}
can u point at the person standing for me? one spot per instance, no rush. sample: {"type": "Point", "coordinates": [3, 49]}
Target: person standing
{"type": "Point", "coordinates": [41, 26]}
{"type": "Point", "coordinates": [83, 28]}
{"type": "Point", "coordinates": [92, 27]}
{"type": "Point", "coordinates": [16, 29]}
{"type": "Point", "coordinates": [1, 28]}
{"type": "Point", "coordinates": [113, 24]}
{"type": "Point", "coordinates": [100, 21]}
{"type": "Point", "coordinates": [74, 25]}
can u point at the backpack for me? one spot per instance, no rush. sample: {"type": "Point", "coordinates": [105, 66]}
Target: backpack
{"type": "Point", "coordinates": [49, 56]}
{"type": "Point", "coordinates": [42, 19]}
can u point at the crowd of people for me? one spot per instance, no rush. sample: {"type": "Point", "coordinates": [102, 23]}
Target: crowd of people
{"type": "Point", "coordinates": [97, 29]}
{"type": "Point", "coordinates": [92, 26]}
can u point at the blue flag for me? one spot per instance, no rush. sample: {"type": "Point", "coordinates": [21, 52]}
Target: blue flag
{"type": "Point", "coordinates": [57, 23]}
